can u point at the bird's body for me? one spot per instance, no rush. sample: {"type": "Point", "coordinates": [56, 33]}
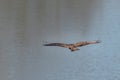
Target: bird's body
{"type": "Point", "coordinates": [73, 47]}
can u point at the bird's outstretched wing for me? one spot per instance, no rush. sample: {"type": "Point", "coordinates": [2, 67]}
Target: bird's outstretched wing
{"type": "Point", "coordinates": [58, 44]}
{"type": "Point", "coordinates": [80, 44]}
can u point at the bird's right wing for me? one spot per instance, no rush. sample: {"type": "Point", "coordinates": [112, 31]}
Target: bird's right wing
{"type": "Point", "coordinates": [58, 44]}
{"type": "Point", "coordinates": [84, 43]}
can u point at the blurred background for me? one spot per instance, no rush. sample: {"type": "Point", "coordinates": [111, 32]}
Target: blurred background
{"type": "Point", "coordinates": [25, 25]}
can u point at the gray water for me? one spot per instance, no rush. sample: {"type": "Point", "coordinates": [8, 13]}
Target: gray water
{"type": "Point", "coordinates": [25, 25]}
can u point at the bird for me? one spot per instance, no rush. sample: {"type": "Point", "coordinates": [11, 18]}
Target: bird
{"type": "Point", "coordinates": [74, 46]}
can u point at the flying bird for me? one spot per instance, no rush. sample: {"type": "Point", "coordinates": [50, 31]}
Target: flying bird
{"type": "Point", "coordinates": [73, 47]}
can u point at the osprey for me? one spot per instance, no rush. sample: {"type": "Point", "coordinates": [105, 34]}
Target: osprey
{"type": "Point", "coordinates": [73, 47]}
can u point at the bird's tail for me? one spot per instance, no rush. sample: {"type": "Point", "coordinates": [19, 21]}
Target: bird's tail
{"type": "Point", "coordinates": [74, 49]}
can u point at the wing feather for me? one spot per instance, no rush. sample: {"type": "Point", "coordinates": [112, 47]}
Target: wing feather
{"type": "Point", "coordinates": [57, 44]}
{"type": "Point", "coordinates": [79, 44]}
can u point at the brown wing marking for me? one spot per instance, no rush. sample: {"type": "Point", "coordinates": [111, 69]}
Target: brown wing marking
{"type": "Point", "coordinates": [79, 44]}
{"type": "Point", "coordinates": [58, 44]}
